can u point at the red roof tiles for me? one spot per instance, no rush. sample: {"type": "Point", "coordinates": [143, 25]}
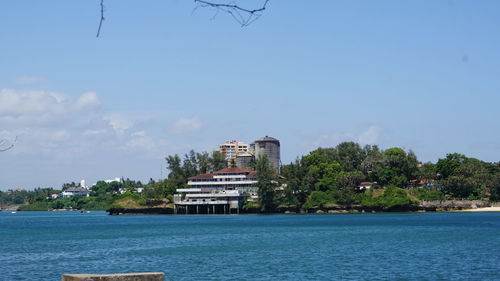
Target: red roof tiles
{"type": "Point", "coordinates": [202, 176]}
{"type": "Point", "coordinates": [232, 170]}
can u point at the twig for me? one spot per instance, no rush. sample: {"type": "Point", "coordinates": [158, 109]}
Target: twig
{"type": "Point", "coordinates": [9, 147]}
{"type": "Point", "coordinates": [234, 10]}
{"type": "Point", "coordinates": [102, 19]}
{"type": "Point", "coordinates": [232, 6]}
{"type": "Point", "coordinates": [237, 12]}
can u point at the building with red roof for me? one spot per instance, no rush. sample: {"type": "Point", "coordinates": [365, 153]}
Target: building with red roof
{"type": "Point", "coordinates": [223, 191]}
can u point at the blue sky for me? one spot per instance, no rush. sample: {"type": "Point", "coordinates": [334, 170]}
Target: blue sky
{"type": "Point", "coordinates": [163, 79]}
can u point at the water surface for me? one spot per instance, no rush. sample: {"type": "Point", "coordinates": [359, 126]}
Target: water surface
{"type": "Point", "coordinates": [417, 246]}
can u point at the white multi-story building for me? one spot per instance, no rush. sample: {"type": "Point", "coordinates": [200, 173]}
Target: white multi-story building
{"type": "Point", "coordinates": [222, 191]}
{"type": "Point", "coordinates": [77, 190]}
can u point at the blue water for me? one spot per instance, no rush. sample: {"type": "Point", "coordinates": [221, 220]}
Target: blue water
{"type": "Point", "coordinates": [420, 246]}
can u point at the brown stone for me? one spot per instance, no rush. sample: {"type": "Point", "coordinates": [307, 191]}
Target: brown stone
{"type": "Point", "coordinates": [143, 276]}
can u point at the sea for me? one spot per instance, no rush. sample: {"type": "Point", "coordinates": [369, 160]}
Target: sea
{"type": "Point", "coordinates": [389, 246]}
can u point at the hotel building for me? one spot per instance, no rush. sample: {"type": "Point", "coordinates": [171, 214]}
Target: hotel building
{"type": "Point", "coordinates": [221, 192]}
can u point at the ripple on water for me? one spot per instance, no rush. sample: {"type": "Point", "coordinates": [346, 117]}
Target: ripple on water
{"type": "Point", "coordinates": [432, 246]}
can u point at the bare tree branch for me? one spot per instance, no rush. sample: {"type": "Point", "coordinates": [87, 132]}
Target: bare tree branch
{"type": "Point", "coordinates": [232, 6]}
{"type": "Point", "coordinates": [102, 19]}
{"type": "Point", "coordinates": [9, 146]}
{"type": "Point", "coordinates": [241, 15]}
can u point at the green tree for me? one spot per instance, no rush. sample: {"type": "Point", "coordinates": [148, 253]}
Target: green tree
{"type": "Point", "coordinates": [100, 188]}
{"type": "Point", "coordinates": [68, 185]}
{"type": "Point", "coordinates": [174, 166]}
{"type": "Point", "coordinates": [266, 191]}
{"type": "Point", "coordinates": [350, 156]}
{"type": "Point", "coordinates": [346, 186]}
{"type": "Point", "coordinates": [318, 199]}
{"type": "Point", "coordinates": [446, 167]}
{"type": "Point", "coordinates": [373, 161]}
{"type": "Point", "coordinates": [190, 165]}
{"type": "Point", "coordinates": [399, 167]}
{"type": "Point", "coordinates": [203, 162]}
{"type": "Point", "coordinates": [217, 161]}
{"type": "Point", "coordinates": [297, 189]}
{"type": "Point", "coordinates": [428, 171]}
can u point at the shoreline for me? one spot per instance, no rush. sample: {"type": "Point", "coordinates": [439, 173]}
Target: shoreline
{"type": "Point", "coordinates": [166, 211]}
{"type": "Point", "coordinates": [485, 209]}
{"type": "Point", "coordinates": [338, 211]}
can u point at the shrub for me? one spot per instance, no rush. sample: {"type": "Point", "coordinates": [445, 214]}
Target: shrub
{"type": "Point", "coordinates": [36, 206]}
{"type": "Point", "coordinates": [318, 199]}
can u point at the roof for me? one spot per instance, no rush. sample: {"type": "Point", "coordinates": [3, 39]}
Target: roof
{"type": "Point", "coordinates": [232, 170]}
{"type": "Point", "coordinates": [424, 181]}
{"type": "Point", "coordinates": [249, 173]}
{"type": "Point", "coordinates": [77, 189]}
{"type": "Point", "coordinates": [202, 176]}
{"type": "Point", "coordinates": [268, 139]}
{"type": "Point", "coordinates": [368, 183]}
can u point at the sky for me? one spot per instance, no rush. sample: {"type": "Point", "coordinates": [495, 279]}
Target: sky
{"type": "Point", "coordinates": [166, 77]}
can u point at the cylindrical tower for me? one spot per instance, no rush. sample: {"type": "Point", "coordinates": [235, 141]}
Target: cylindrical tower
{"type": "Point", "coordinates": [271, 148]}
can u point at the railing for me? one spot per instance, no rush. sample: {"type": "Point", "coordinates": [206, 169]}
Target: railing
{"type": "Point", "coordinates": [216, 202]}
{"type": "Point", "coordinates": [195, 183]}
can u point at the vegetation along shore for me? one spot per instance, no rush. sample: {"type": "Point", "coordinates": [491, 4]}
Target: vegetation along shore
{"type": "Point", "coordinates": [345, 178]}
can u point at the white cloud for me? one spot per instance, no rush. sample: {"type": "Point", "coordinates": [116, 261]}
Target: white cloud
{"type": "Point", "coordinates": [118, 122]}
{"type": "Point", "coordinates": [186, 125]}
{"type": "Point", "coordinates": [28, 79]}
{"type": "Point", "coordinates": [140, 143]}
{"type": "Point", "coordinates": [57, 126]}
{"type": "Point", "coordinates": [91, 132]}
{"type": "Point", "coordinates": [57, 132]}
{"type": "Point", "coordinates": [334, 139]}
{"type": "Point", "coordinates": [370, 136]}
{"type": "Point", "coordinates": [138, 134]}
{"type": "Point", "coordinates": [87, 101]}
{"type": "Point", "coordinates": [42, 107]}
{"type": "Point", "coordinates": [50, 123]}
{"type": "Point", "coordinates": [60, 135]}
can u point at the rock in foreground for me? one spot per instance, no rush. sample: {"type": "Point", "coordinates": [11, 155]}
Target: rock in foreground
{"type": "Point", "coordinates": [144, 276]}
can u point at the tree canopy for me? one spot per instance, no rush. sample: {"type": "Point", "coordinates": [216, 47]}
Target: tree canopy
{"type": "Point", "coordinates": [324, 177]}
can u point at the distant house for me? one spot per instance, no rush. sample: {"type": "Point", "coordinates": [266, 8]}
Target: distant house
{"type": "Point", "coordinates": [78, 190]}
{"type": "Point", "coordinates": [424, 182]}
{"type": "Point", "coordinates": [136, 190]}
{"type": "Point", "coordinates": [366, 185]}
{"type": "Point", "coordinates": [113, 180]}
